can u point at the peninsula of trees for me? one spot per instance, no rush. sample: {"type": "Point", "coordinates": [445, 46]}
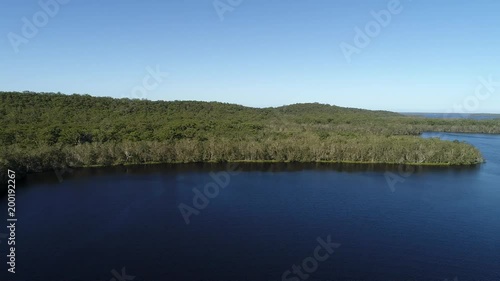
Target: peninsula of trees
{"type": "Point", "coordinates": [44, 131]}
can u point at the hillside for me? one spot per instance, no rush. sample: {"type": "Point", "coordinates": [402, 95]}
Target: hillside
{"type": "Point", "coordinates": [42, 131]}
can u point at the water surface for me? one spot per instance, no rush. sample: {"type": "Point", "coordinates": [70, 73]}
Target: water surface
{"type": "Point", "coordinates": [432, 224]}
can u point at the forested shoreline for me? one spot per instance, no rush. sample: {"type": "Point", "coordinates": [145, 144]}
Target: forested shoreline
{"type": "Point", "coordinates": [44, 131]}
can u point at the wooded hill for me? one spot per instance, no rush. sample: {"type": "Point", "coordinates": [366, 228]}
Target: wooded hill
{"type": "Point", "coordinates": [43, 131]}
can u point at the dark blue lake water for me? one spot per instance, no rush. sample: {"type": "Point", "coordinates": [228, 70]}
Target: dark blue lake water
{"type": "Point", "coordinates": [266, 222]}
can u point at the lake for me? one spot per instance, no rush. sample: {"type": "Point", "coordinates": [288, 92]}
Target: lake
{"type": "Point", "coordinates": [261, 222]}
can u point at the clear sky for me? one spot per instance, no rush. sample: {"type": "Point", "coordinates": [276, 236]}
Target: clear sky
{"type": "Point", "coordinates": [427, 58]}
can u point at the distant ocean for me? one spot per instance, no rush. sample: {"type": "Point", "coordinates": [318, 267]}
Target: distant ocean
{"type": "Point", "coordinates": [475, 116]}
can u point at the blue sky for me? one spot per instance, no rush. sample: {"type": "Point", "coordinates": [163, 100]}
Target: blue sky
{"type": "Point", "coordinates": [428, 58]}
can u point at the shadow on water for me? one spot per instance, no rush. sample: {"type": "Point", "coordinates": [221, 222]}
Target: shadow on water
{"type": "Point", "coordinates": [85, 173]}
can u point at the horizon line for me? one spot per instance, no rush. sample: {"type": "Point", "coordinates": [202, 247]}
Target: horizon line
{"type": "Point", "coordinates": [264, 107]}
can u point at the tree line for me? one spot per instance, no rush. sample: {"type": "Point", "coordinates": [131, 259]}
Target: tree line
{"type": "Point", "coordinates": [42, 131]}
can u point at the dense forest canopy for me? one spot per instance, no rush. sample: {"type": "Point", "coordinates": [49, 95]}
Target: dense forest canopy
{"type": "Point", "coordinates": [41, 131]}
